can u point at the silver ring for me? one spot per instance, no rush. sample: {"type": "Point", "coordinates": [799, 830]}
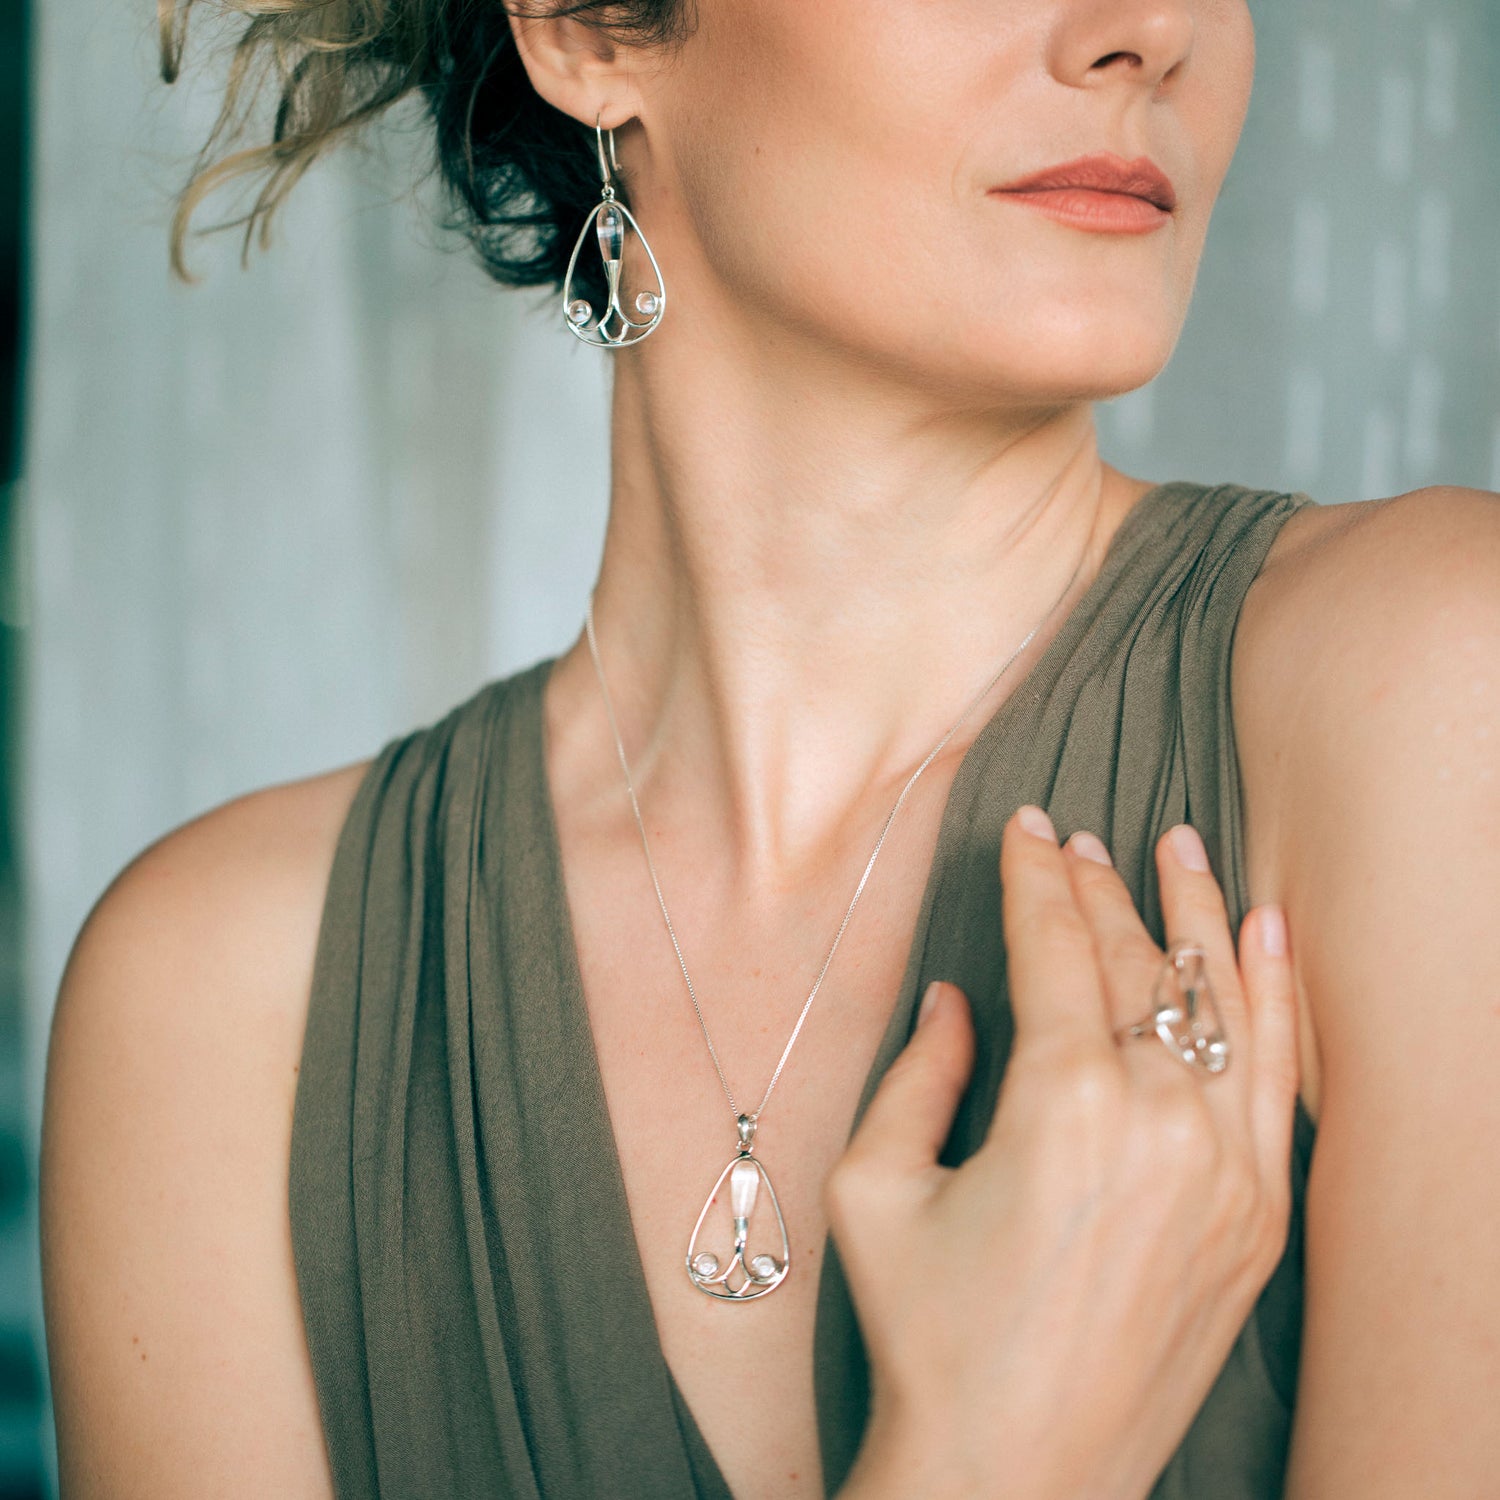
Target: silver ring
{"type": "Point", "coordinates": [1186, 1017]}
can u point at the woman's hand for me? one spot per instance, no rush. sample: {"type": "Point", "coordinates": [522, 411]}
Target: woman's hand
{"type": "Point", "coordinates": [1046, 1319]}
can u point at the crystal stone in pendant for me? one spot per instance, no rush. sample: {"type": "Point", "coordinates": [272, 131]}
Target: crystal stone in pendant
{"type": "Point", "coordinates": [646, 303]}
{"type": "Point", "coordinates": [744, 1184]}
{"type": "Point", "coordinates": [751, 1254]}
{"type": "Point", "coordinates": [579, 311]}
{"type": "Point", "coordinates": [610, 223]}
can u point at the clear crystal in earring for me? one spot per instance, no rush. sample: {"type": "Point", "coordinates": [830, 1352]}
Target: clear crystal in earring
{"type": "Point", "coordinates": [608, 227]}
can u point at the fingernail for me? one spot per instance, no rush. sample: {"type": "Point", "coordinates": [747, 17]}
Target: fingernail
{"type": "Point", "coordinates": [1273, 931]}
{"type": "Point", "coordinates": [1188, 847]}
{"type": "Point", "coordinates": [1089, 847]}
{"type": "Point", "coordinates": [1034, 820]}
{"type": "Point", "coordinates": [929, 1002]}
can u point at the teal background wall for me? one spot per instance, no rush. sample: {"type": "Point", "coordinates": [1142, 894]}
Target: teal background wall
{"type": "Point", "coordinates": [1345, 335]}
{"type": "Point", "coordinates": [21, 1397]}
{"type": "Point", "coordinates": [262, 524]}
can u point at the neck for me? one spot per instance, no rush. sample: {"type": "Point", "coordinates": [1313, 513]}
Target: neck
{"type": "Point", "coordinates": [806, 580]}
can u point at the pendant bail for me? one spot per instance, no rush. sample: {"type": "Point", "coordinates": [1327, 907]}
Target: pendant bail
{"type": "Point", "coordinates": [745, 1124]}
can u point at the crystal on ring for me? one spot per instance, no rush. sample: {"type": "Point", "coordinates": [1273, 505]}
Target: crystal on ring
{"type": "Point", "coordinates": [646, 303]}
{"type": "Point", "coordinates": [706, 1264]}
{"type": "Point", "coordinates": [764, 1267]}
{"type": "Point", "coordinates": [579, 312]}
{"type": "Point", "coordinates": [1188, 1022]}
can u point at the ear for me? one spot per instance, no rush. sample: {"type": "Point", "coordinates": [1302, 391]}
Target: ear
{"type": "Point", "coordinates": [578, 68]}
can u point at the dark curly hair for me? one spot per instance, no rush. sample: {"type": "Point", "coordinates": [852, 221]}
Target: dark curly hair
{"type": "Point", "coordinates": [519, 176]}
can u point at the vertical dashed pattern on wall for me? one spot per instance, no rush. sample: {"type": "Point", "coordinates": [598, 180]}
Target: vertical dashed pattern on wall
{"type": "Point", "coordinates": [1345, 332]}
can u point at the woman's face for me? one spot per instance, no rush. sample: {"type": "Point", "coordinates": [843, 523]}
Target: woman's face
{"type": "Point", "coordinates": [831, 167]}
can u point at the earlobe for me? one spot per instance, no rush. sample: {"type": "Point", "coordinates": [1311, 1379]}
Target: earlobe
{"type": "Point", "coordinates": [575, 67]}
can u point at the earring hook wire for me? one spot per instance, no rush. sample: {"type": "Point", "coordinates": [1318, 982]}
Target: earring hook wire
{"type": "Point", "coordinates": [612, 160]}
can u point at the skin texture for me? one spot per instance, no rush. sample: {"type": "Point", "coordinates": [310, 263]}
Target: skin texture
{"type": "Point", "coordinates": [858, 453]}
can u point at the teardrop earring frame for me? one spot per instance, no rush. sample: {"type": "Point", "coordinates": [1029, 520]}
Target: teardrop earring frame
{"type": "Point", "coordinates": [609, 222]}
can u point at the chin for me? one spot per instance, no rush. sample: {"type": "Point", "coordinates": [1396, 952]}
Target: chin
{"type": "Point", "coordinates": [1084, 361]}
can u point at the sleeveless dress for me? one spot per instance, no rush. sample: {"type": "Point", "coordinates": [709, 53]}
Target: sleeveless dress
{"type": "Point", "coordinates": [471, 1287]}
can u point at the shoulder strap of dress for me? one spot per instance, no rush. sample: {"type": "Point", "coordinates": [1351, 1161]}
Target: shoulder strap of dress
{"type": "Point", "coordinates": [1237, 530]}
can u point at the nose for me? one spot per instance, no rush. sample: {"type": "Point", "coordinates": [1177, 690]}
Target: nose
{"type": "Point", "coordinates": [1140, 42]}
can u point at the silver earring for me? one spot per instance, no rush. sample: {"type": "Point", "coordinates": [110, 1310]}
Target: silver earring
{"type": "Point", "coordinates": [609, 222]}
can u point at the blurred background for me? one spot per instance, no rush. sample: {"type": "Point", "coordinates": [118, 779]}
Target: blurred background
{"type": "Point", "coordinates": [251, 529]}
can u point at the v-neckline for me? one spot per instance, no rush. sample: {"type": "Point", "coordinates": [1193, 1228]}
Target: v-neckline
{"type": "Point", "coordinates": [626, 1252]}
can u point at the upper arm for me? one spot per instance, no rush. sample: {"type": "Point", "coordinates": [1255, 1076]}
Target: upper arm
{"type": "Point", "coordinates": [178, 1361]}
{"type": "Point", "coordinates": [1385, 665]}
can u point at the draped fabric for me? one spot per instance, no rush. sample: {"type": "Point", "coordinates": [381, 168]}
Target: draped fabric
{"type": "Point", "coordinates": [454, 1179]}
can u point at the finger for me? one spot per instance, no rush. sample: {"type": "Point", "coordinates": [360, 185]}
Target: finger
{"type": "Point", "coordinates": [909, 1116]}
{"type": "Point", "coordinates": [1131, 967]}
{"type": "Point", "coordinates": [1055, 991]}
{"type": "Point", "coordinates": [1274, 1061]}
{"type": "Point", "coordinates": [1127, 954]}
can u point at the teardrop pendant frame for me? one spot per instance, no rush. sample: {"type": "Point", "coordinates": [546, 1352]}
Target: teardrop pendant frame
{"type": "Point", "coordinates": [578, 312]}
{"type": "Point", "coordinates": [711, 1279]}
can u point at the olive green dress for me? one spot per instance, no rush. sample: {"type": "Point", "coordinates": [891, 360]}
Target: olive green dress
{"type": "Point", "coordinates": [471, 1287]}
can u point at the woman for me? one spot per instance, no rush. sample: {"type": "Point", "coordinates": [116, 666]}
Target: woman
{"type": "Point", "coordinates": [859, 529]}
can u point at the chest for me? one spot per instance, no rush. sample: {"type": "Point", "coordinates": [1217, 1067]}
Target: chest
{"type": "Point", "coordinates": [744, 1368]}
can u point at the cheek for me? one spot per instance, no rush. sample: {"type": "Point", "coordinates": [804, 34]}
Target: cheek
{"type": "Point", "coordinates": [1214, 103]}
{"type": "Point", "coordinates": [825, 174]}
{"type": "Point", "coordinates": [1211, 112]}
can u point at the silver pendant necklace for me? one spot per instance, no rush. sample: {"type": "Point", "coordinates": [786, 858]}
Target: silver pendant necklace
{"type": "Point", "coordinates": [746, 1272]}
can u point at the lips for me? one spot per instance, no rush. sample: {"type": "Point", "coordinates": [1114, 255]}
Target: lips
{"type": "Point", "coordinates": [1140, 178]}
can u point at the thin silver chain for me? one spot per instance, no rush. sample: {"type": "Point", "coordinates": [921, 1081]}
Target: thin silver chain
{"type": "Point", "coordinates": [911, 781]}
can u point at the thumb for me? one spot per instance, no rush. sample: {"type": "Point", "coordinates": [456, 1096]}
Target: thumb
{"type": "Point", "coordinates": [911, 1113]}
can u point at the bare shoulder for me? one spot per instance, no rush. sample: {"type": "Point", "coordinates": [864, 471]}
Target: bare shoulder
{"type": "Point", "coordinates": [178, 1361]}
{"type": "Point", "coordinates": [1367, 693]}
{"type": "Point", "coordinates": [1360, 646]}
{"type": "Point", "coordinates": [1360, 549]}
{"type": "Point", "coordinates": [1352, 594]}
